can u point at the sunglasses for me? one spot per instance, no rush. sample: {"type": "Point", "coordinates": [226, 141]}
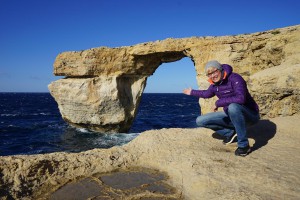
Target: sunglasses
{"type": "Point", "coordinates": [212, 73]}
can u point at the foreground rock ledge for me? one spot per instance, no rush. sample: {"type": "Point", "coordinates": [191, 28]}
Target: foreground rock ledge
{"type": "Point", "coordinates": [197, 164]}
{"type": "Point", "coordinates": [103, 86]}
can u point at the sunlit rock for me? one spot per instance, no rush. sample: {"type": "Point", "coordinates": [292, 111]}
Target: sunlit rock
{"type": "Point", "coordinates": [103, 86]}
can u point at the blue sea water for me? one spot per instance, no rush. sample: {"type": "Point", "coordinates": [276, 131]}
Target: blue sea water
{"type": "Point", "coordinates": [30, 123]}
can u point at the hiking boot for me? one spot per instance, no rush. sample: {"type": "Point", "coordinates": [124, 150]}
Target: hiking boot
{"type": "Point", "coordinates": [242, 151]}
{"type": "Point", "coordinates": [231, 139]}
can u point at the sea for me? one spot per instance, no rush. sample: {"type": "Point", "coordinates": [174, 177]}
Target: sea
{"type": "Point", "coordinates": [30, 123]}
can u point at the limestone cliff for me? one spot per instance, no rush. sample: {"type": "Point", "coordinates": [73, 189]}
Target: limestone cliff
{"type": "Point", "coordinates": [103, 86]}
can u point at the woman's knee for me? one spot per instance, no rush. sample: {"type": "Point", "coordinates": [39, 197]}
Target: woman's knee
{"type": "Point", "coordinates": [201, 121]}
{"type": "Point", "coordinates": [234, 108]}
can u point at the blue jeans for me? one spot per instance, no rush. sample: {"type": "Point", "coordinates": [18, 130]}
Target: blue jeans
{"type": "Point", "coordinates": [238, 119]}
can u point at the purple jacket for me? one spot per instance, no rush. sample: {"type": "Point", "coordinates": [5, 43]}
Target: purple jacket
{"type": "Point", "coordinates": [232, 89]}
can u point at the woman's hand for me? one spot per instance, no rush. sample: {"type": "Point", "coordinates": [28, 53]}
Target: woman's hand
{"type": "Point", "coordinates": [187, 91]}
{"type": "Point", "coordinates": [215, 108]}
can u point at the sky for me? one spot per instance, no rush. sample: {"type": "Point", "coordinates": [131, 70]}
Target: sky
{"type": "Point", "coordinates": [34, 32]}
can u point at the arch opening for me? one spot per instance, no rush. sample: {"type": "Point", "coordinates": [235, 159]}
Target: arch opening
{"type": "Point", "coordinates": [163, 105]}
{"type": "Point", "coordinates": [172, 77]}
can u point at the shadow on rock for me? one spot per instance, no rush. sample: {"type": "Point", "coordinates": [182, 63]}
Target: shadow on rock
{"type": "Point", "coordinates": [217, 136]}
{"type": "Point", "coordinates": [261, 132]}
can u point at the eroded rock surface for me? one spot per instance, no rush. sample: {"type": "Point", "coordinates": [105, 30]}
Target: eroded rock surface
{"type": "Point", "coordinates": [196, 162]}
{"type": "Point", "coordinates": [143, 184]}
{"type": "Point", "coordinates": [103, 86]}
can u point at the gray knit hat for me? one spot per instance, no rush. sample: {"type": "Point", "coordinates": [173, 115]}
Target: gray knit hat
{"type": "Point", "coordinates": [213, 63]}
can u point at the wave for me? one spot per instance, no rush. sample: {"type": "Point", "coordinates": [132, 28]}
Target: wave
{"type": "Point", "coordinates": [9, 115]}
{"type": "Point", "coordinates": [82, 130]}
{"type": "Point", "coordinates": [45, 114]}
{"type": "Point", "coordinates": [114, 139]}
{"type": "Point", "coordinates": [24, 115]}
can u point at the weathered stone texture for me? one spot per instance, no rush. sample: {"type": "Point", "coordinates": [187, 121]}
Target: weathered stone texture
{"type": "Point", "coordinates": [104, 85]}
{"type": "Point", "coordinates": [105, 104]}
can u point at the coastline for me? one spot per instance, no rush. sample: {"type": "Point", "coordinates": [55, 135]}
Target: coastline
{"type": "Point", "coordinates": [196, 162]}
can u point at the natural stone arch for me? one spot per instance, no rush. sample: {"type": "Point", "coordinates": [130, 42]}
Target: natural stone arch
{"type": "Point", "coordinates": [103, 86]}
{"type": "Point", "coordinates": [104, 103]}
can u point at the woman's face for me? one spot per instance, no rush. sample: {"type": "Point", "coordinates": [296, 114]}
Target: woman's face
{"type": "Point", "coordinates": [214, 74]}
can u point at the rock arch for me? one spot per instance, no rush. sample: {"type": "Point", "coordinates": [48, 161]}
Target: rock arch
{"type": "Point", "coordinates": [103, 86]}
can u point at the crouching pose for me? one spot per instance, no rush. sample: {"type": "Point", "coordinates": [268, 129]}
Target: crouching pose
{"type": "Point", "coordinates": [240, 109]}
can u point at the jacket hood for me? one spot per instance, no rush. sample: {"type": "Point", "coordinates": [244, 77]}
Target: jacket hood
{"type": "Point", "coordinates": [227, 70]}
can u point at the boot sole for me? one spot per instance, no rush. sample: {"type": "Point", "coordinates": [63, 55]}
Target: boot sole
{"type": "Point", "coordinates": [244, 154]}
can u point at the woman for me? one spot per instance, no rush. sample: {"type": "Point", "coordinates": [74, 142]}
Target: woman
{"type": "Point", "coordinates": [239, 108]}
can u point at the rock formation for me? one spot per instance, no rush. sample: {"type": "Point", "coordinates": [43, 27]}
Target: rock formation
{"type": "Point", "coordinates": [102, 87]}
{"type": "Point", "coordinates": [198, 165]}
